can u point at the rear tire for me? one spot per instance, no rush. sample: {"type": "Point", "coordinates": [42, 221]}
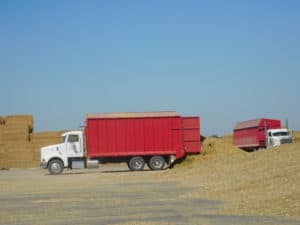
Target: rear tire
{"type": "Point", "coordinates": [55, 167]}
{"type": "Point", "coordinates": [136, 163]}
{"type": "Point", "coordinates": [157, 163]}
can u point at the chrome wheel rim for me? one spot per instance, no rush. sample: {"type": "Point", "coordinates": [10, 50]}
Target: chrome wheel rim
{"type": "Point", "coordinates": [55, 167]}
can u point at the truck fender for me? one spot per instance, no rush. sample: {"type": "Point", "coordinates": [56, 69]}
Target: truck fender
{"type": "Point", "coordinates": [56, 158]}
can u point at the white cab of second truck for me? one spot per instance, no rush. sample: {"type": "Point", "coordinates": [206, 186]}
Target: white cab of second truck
{"type": "Point", "coordinates": [277, 137]}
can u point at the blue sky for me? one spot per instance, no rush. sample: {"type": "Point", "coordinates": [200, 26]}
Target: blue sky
{"type": "Point", "coordinates": [225, 61]}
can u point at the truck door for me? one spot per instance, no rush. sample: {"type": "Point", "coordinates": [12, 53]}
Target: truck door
{"type": "Point", "coordinates": [270, 140]}
{"type": "Point", "coordinates": [73, 145]}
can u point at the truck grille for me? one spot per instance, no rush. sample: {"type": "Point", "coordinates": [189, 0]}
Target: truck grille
{"type": "Point", "coordinates": [285, 141]}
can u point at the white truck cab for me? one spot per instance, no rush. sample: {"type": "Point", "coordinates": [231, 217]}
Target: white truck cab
{"type": "Point", "coordinates": [60, 156]}
{"type": "Point", "coordinates": [277, 137]}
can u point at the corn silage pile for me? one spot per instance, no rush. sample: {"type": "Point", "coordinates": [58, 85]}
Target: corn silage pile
{"type": "Point", "coordinates": [212, 148]}
{"type": "Point", "coordinates": [296, 136]}
{"type": "Point", "coordinates": [216, 147]}
{"type": "Point", "coordinates": [19, 146]}
{"type": "Point", "coordinates": [263, 182]}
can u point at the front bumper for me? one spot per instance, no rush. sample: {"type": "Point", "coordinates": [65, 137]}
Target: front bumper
{"type": "Point", "coordinates": [43, 164]}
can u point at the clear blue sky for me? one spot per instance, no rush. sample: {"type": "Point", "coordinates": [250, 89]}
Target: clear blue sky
{"type": "Point", "coordinates": [225, 61]}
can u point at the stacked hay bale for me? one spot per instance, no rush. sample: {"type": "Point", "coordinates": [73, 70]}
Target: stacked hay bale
{"type": "Point", "coordinates": [16, 148]}
{"type": "Point", "coordinates": [2, 123]}
{"type": "Point", "coordinates": [40, 139]}
{"type": "Point", "coordinates": [19, 146]}
{"type": "Point", "coordinates": [18, 128]}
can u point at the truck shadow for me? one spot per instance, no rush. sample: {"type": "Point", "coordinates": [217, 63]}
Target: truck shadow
{"type": "Point", "coordinates": [69, 173]}
{"type": "Point", "coordinates": [129, 171]}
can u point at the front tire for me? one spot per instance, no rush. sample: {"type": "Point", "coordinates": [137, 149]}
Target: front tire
{"type": "Point", "coordinates": [136, 163]}
{"type": "Point", "coordinates": [55, 167]}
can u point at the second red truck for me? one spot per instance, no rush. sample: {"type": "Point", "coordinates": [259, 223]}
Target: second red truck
{"type": "Point", "coordinates": [260, 133]}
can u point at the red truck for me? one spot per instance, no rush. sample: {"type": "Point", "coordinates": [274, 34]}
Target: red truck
{"type": "Point", "coordinates": [260, 133]}
{"type": "Point", "coordinates": [154, 138]}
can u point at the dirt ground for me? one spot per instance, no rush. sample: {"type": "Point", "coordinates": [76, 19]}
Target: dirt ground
{"type": "Point", "coordinates": [223, 186]}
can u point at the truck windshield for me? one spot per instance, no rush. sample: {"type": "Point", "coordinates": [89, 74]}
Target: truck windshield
{"type": "Point", "coordinates": [63, 139]}
{"type": "Point", "coordinates": [281, 133]}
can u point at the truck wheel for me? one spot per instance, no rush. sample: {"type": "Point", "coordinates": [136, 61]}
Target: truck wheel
{"type": "Point", "coordinates": [55, 167]}
{"type": "Point", "coordinates": [136, 163]}
{"type": "Point", "coordinates": [157, 163]}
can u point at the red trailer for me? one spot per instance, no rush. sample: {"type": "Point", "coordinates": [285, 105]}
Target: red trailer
{"type": "Point", "coordinates": [251, 134]}
{"type": "Point", "coordinates": [160, 134]}
{"type": "Point", "coordinates": [155, 138]}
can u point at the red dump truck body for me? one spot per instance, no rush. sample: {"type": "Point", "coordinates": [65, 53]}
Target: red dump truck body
{"type": "Point", "coordinates": [251, 134]}
{"type": "Point", "coordinates": [141, 134]}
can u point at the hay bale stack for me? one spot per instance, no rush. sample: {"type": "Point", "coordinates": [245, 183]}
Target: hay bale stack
{"type": "Point", "coordinates": [18, 154]}
{"type": "Point", "coordinates": [15, 148]}
{"type": "Point", "coordinates": [46, 136]}
{"type": "Point", "coordinates": [2, 125]}
{"type": "Point", "coordinates": [41, 139]}
{"type": "Point", "coordinates": [20, 121]}
{"type": "Point", "coordinates": [19, 147]}
{"type": "Point", "coordinates": [17, 128]}
{"type": "Point", "coordinates": [2, 151]}
{"type": "Point", "coordinates": [2, 120]}
{"type": "Point", "coordinates": [15, 134]}
{"type": "Point", "coordinates": [1, 140]}
{"type": "Point", "coordinates": [1, 134]}
{"type": "Point", "coordinates": [19, 163]}
{"type": "Point", "coordinates": [18, 151]}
